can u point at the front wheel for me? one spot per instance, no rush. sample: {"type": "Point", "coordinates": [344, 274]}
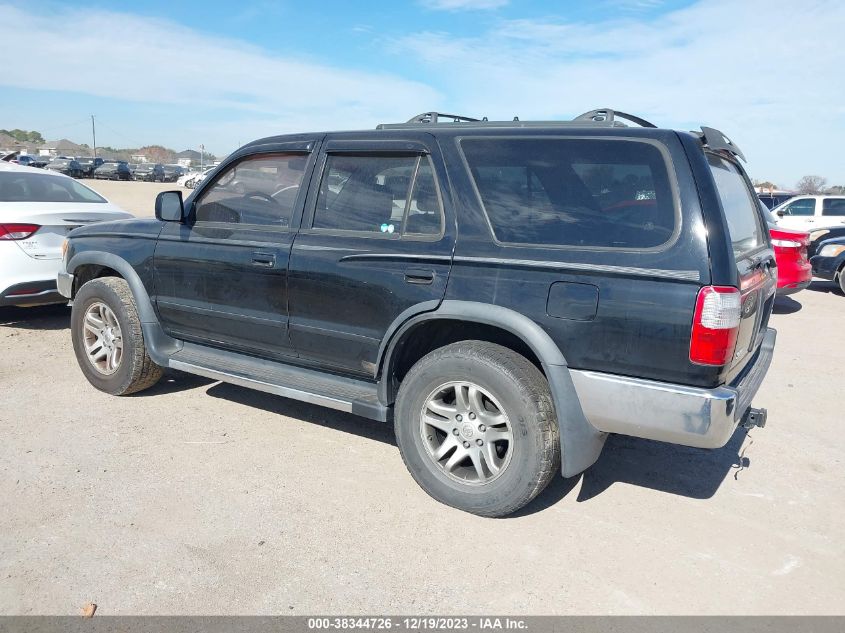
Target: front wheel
{"type": "Point", "coordinates": [476, 428]}
{"type": "Point", "coordinates": [107, 338]}
{"type": "Point", "coordinates": [842, 279]}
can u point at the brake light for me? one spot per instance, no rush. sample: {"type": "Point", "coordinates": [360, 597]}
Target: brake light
{"type": "Point", "coordinates": [17, 231]}
{"type": "Point", "coordinates": [786, 243]}
{"type": "Point", "coordinates": [715, 325]}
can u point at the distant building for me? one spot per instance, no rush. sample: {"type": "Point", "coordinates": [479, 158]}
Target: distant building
{"type": "Point", "coordinates": [63, 147]}
{"type": "Point", "coordinates": [138, 158]}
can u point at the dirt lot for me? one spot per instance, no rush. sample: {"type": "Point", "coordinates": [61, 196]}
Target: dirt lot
{"type": "Point", "coordinates": [203, 498]}
{"type": "Point", "coordinates": [135, 197]}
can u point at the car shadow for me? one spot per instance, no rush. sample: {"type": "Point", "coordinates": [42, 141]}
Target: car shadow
{"type": "Point", "coordinates": [680, 470]}
{"type": "Point", "coordinates": [174, 381]}
{"type": "Point", "coordinates": [314, 414]}
{"type": "Point", "coordinates": [786, 305]}
{"type": "Point", "coordinates": [51, 317]}
{"type": "Point", "coordinates": [824, 286]}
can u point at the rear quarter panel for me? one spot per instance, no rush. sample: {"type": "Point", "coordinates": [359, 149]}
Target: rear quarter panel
{"type": "Point", "coordinates": [646, 298]}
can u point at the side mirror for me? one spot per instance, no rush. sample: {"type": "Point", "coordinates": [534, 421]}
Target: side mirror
{"type": "Point", "coordinates": [781, 213]}
{"type": "Point", "coordinates": [169, 206]}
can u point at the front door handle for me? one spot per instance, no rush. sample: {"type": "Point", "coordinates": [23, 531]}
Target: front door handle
{"type": "Point", "coordinates": [268, 260]}
{"type": "Point", "coordinates": [419, 276]}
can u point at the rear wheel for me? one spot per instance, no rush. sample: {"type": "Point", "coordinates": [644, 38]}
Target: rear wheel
{"type": "Point", "coordinates": [476, 428]}
{"type": "Point", "coordinates": [107, 338]}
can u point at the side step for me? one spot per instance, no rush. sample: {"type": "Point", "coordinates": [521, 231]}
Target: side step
{"type": "Point", "coordinates": [336, 392]}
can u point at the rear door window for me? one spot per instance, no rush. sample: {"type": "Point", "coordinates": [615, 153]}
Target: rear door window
{"type": "Point", "coordinates": [739, 204]}
{"type": "Point", "coordinates": [833, 206]}
{"type": "Point", "coordinates": [381, 195]}
{"type": "Point", "coordinates": [573, 192]}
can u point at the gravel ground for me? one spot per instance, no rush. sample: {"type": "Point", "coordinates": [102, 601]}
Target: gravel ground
{"type": "Point", "coordinates": [202, 498]}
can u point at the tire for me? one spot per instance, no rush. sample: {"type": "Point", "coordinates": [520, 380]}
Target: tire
{"type": "Point", "coordinates": [134, 370]}
{"type": "Point", "coordinates": [508, 383]}
{"type": "Point", "coordinates": [842, 279]}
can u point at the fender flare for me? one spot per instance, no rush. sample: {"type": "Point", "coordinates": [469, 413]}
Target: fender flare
{"type": "Point", "coordinates": [581, 442]}
{"type": "Point", "coordinates": [159, 345]}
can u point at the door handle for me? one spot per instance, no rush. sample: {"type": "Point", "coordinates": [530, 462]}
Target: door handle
{"type": "Point", "coordinates": [419, 276]}
{"type": "Point", "coordinates": [267, 260]}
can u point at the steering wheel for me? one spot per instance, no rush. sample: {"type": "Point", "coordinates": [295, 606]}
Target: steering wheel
{"type": "Point", "coordinates": [261, 195]}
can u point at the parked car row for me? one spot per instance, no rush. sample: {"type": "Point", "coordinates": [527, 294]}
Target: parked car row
{"type": "Point", "coordinates": [100, 168]}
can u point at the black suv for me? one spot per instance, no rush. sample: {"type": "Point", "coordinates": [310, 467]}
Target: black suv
{"type": "Point", "coordinates": [113, 170]}
{"type": "Point", "coordinates": [506, 293]}
{"type": "Point", "coordinates": [89, 165]}
{"type": "Point", "coordinates": [149, 172]}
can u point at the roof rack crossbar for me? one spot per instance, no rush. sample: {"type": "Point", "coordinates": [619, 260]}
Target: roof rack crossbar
{"type": "Point", "coordinates": [607, 115]}
{"type": "Point", "coordinates": [434, 117]}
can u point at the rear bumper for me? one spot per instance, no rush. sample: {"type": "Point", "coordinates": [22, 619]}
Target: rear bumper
{"type": "Point", "coordinates": [793, 287]}
{"type": "Point", "coordinates": [31, 293]}
{"type": "Point", "coordinates": [690, 416]}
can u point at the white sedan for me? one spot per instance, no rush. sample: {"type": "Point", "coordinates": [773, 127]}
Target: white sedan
{"type": "Point", "coordinates": [38, 209]}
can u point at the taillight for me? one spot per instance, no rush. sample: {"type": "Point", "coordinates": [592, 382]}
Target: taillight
{"type": "Point", "coordinates": [17, 231]}
{"type": "Point", "coordinates": [786, 243]}
{"type": "Point", "coordinates": [715, 325]}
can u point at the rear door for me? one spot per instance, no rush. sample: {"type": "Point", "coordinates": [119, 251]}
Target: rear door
{"type": "Point", "coordinates": [755, 259]}
{"type": "Point", "coordinates": [375, 243]}
{"type": "Point", "coordinates": [832, 211]}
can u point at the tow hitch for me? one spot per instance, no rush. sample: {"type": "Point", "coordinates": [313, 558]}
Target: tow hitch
{"type": "Point", "coordinates": [754, 417]}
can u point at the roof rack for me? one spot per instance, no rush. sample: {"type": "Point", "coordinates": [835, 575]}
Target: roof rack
{"type": "Point", "coordinates": [608, 116]}
{"type": "Point", "coordinates": [602, 116]}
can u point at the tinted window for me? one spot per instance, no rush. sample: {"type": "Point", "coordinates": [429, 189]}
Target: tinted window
{"type": "Point", "coordinates": [257, 190]}
{"type": "Point", "coordinates": [739, 203]}
{"type": "Point", "coordinates": [833, 206]}
{"type": "Point", "coordinates": [800, 207]}
{"type": "Point", "coordinates": [37, 188]}
{"type": "Point", "coordinates": [572, 192]}
{"type": "Point", "coordinates": [371, 194]}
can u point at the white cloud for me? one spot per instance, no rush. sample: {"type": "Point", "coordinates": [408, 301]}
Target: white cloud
{"type": "Point", "coordinates": [769, 74]}
{"type": "Point", "coordinates": [148, 60]}
{"type": "Point", "coordinates": [464, 5]}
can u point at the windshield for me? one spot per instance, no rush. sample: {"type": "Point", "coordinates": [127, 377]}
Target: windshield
{"type": "Point", "coordinates": [16, 187]}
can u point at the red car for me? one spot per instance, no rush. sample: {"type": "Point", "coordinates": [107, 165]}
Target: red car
{"type": "Point", "coordinates": [794, 270]}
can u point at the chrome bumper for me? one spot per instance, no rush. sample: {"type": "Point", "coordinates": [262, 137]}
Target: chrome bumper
{"type": "Point", "coordinates": [691, 416]}
{"type": "Point", "coordinates": [64, 282]}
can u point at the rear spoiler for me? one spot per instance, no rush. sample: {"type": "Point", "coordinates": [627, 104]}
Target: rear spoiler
{"type": "Point", "coordinates": [718, 142]}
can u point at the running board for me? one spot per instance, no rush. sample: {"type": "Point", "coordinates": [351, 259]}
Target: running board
{"type": "Point", "coordinates": [335, 392]}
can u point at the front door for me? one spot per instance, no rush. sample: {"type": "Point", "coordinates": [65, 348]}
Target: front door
{"type": "Point", "coordinates": [221, 277]}
{"type": "Point", "coordinates": [375, 243]}
{"type": "Point", "coordinates": [798, 214]}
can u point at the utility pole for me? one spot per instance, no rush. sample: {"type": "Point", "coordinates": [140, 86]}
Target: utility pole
{"type": "Point", "coordinates": [94, 134]}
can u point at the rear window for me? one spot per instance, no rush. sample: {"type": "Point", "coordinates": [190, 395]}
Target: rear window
{"type": "Point", "coordinates": [573, 192]}
{"type": "Point", "coordinates": [833, 206]}
{"type": "Point", "coordinates": [42, 188]}
{"type": "Point", "coordinates": [739, 204]}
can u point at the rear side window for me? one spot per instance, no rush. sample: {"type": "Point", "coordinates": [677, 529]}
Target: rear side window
{"type": "Point", "coordinates": [739, 204]}
{"type": "Point", "coordinates": [573, 192]}
{"type": "Point", "coordinates": [833, 206]}
{"type": "Point", "coordinates": [388, 195]}
{"type": "Point", "coordinates": [25, 187]}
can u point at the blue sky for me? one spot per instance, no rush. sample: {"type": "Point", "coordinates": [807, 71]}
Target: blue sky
{"type": "Point", "coordinates": [181, 73]}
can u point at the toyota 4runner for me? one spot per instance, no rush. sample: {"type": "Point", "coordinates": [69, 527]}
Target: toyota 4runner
{"type": "Point", "coordinates": [506, 293]}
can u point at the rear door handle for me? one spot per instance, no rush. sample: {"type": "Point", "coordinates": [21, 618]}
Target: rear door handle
{"type": "Point", "coordinates": [419, 276]}
{"type": "Point", "coordinates": [267, 260]}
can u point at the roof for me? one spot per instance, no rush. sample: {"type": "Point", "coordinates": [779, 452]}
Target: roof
{"type": "Point", "coordinates": [7, 166]}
